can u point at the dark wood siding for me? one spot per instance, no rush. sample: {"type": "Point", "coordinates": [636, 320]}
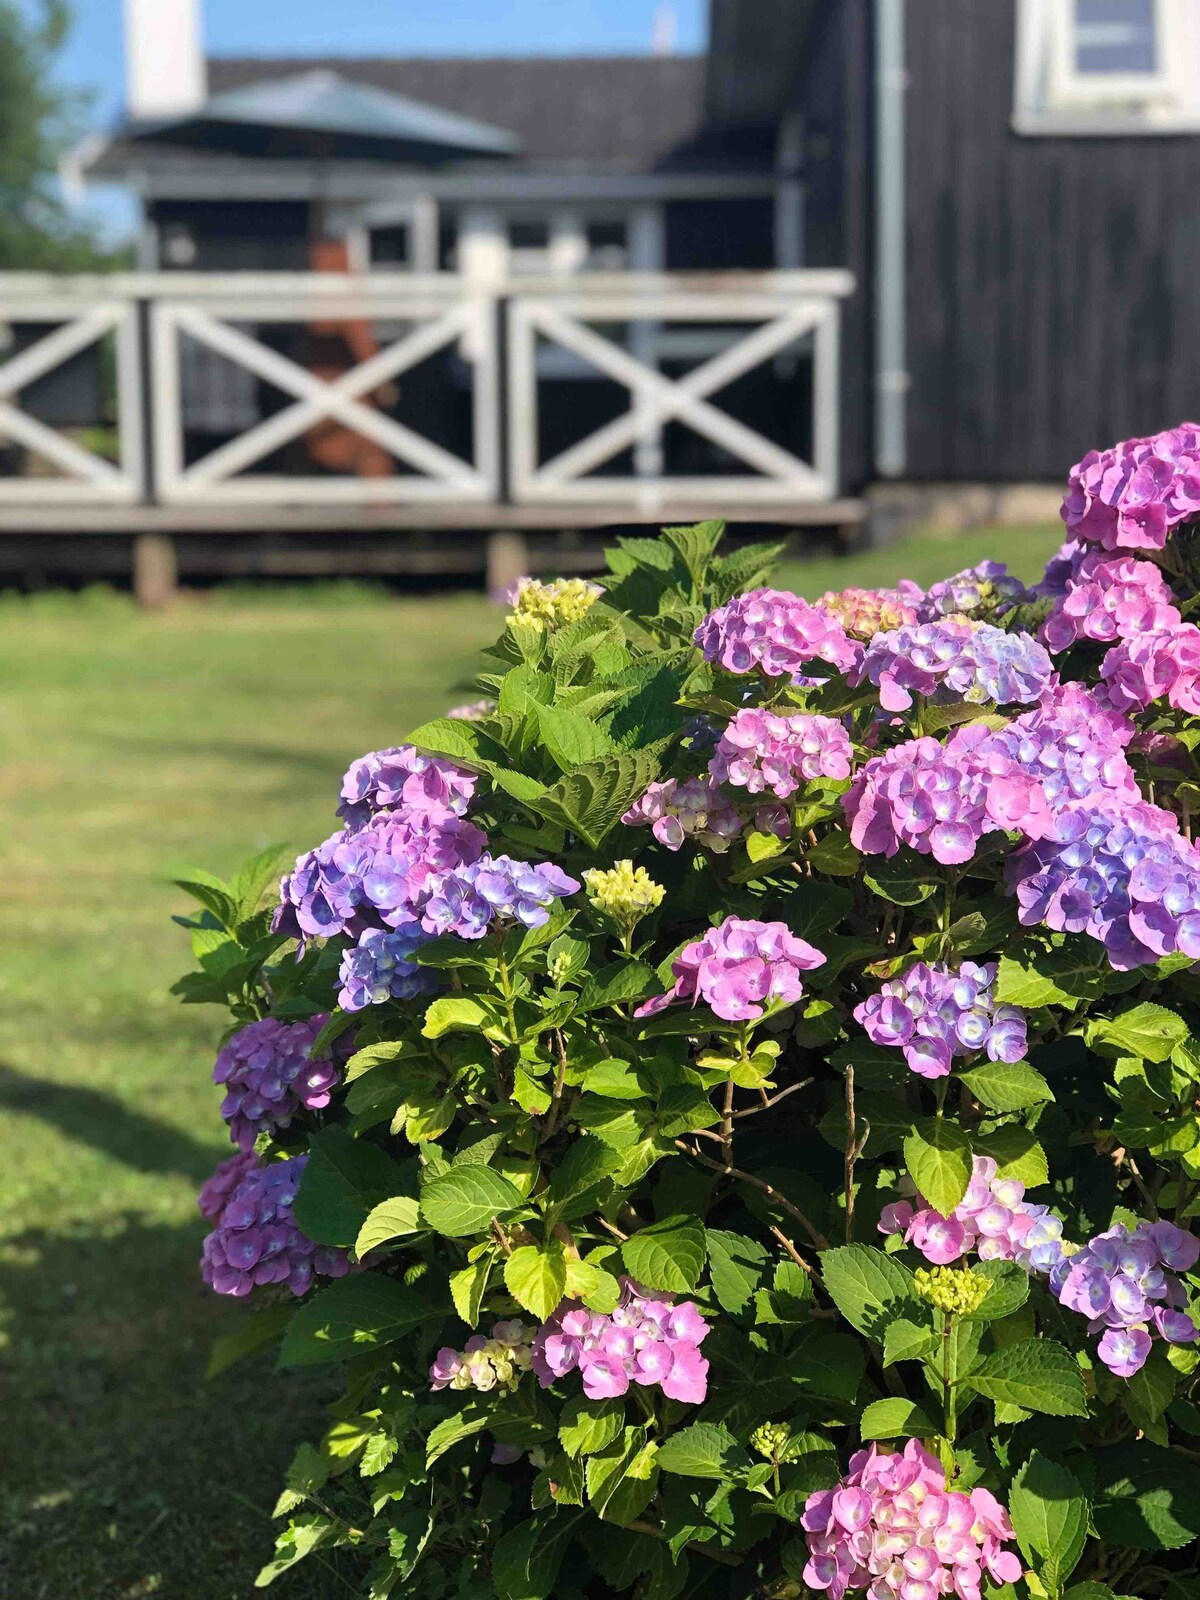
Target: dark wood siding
{"type": "Point", "coordinates": [1053, 283]}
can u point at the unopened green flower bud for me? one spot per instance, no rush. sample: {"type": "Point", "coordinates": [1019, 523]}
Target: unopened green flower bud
{"type": "Point", "coordinates": [624, 892]}
{"type": "Point", "coordinates": [552, 605]}
{"type": "Point", "coordinates": [957, 1290]}
{"type": "Point", "coordinates": [770, 1439]}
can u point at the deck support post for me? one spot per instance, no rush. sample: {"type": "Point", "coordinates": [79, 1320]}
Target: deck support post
{"type": "Point", "coordinates": [507, 560]}
{"type": "Point", "coordinates": [155, 571]}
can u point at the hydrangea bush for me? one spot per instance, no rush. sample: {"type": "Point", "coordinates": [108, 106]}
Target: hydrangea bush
{"type": "Point", "coordinates": [723, 1104]}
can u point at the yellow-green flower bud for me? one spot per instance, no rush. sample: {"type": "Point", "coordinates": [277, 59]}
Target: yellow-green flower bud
{"type": "Point", "coordinates": [624, 892]}
{"type": "Point", "coordinates": [552, 605]}
{"type": "Point", "coordinates": [956, 1290]}
{"type": "Point", "coordinates": [770, 1439]}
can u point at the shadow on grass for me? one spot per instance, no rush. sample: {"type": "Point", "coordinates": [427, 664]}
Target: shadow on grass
{"type": "Point", "coordinates": [242, 751]}
{"type": "Point", "coordinates": [94, 1118]}
{"type": "Point", "coordinates": [124, 1470]}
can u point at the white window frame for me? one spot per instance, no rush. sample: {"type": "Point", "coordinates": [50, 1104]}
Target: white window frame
{"type": "Point", "coordinates": [1053, 97]}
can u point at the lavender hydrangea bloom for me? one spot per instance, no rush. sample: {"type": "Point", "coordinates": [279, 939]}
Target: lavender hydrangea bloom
{"type": "Point", "coordinates": [1061, 569]}
{"type": "Point", "coordinates": [1124, 1281]}
{"type": "Point", "coordinates": [1164, 665]}
{"type": "Point", "coordinates": [993, 1217]}
{"type": "Point", "coordinates": [761, 751]}
{"type": "Point", "coordinates": [1107, 599]}
{"type": "Point", "coordinates": [493, 889]}
{"type": "Point", "coordinates": [1118, 871]}
{"type": "Point", "coordinates": [1132, 496]}
{"type": "Point", "coordinates": [648, 1340]}
{"type": "Point", "coordinates": [403, 778]}
{"type": "Point", "coordinates": [776, 633]}
{"type": "Point", "coordinates": [269, 1074]}
{"type": "Point", "coordinates": [955, 660]}
{"type": "Point", "coordinates": [380, 967]}
{"type": "Point", "coordinates": [255, 1241]}
{"type": "Point", "coordinates": [940, 800]}
{"type": "Point", "coordinates": [988, 589]}
{"type": "Point", "coordinates": [216, 1190]}
{"type": "Point", "coordinates": [935, 1013]}
{"type": "Point", "coordinates": [679, 809]}
{"type": "Point", "coordinates": [739, 968]}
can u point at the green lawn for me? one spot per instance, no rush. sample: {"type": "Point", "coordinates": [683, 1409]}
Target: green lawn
{"type": "Point", "coordinates": [133, 743]}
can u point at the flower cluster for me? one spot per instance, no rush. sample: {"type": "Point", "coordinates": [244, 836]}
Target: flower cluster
{"type": "Point", "coordinates": [1131, 496]}
{"type": "Point", "coordinates": [941, 800]}
{"type": "Point", "coordinates": [403, 779]}
{"type": "Point", "coordinates": [986, 590]}
{"type": "Point", "coordinates": [269, 1075]}
{"type": "Point", "coordinates": [954, 660]}
{"type": "Point", "coordinates": [776, 633]}
{"type": "Point", "coordinates": [686, 808]}
{"type": "Point", "coordinates": [494, 889]}
{"type": "Point", "coordinates": [893, 1528]}
{"type": "Point", "coordinates": [1117, 870]}
{"type": "Point", "coordinates": [623, 892]}
{"type": "Point", "coordinates": [217, 1189]}
{"type": "Point", "coordinates": [739, 968]}
{"type": "Point", "coordinates": [761, 751]}
{"type": "Point", "coordinates": [934, 1013]}
{"type": "Point", "coordinates": [472, 711]}
{"type": "Point", "coordinates": [993, 1217]}
{"type": "Point", "coordinates": [957, 1291]}
{"type": "Point", "coordinates": [1155, 666]}
{"type": "Point", "coordinates": [484, 1364]}
{"type": "Point", "coordinates": [254, 1239]}
{"type": "Point", "coordinates": [381, 967]}
{"type": "Point", "coordinates": [646, 1340]}
{"type": "Point", "coordinates": [1108, 598]}
{"type": "Point", "coordinates": [551, 605]}
{"type": "Point", "coordinates": [865, 612]}
{"type": "Point", "coordinates": [1124, 1281]}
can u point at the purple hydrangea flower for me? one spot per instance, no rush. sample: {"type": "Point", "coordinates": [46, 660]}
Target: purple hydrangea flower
{"type": "Point", "coordinates": [1061, 569]}
{"type": "Point", "coordinates": [776, 633]}
{"type": "Point", "coordinates": [686, 808]}
{"type": "Point", "coordinates": [494, 889]}
{"type": "Point", "coordinates": [254, 1240]}
{"type": "Point", "coordinates": [381, 967]}
{"type": "Point", "coordinates": [935, 1013]}
{"type": "Point", "coordinates": [761, 751]}
{"type": "Point", "coordinates": [1124, 1281]}
{"type": "Point", "coordinates": [992, 1218]}
{"type": "Point", "coordinates": [1109, 598]}
{"type": "Point", "coordinates": [1132, 496]}
{"type": "Point", "coordinates": [955, 660]}
{"type": "Point", "coordinates": [941, 800]}
{"type": "Point", "coordinates": [739, 968]}
{"type": "Point", "coordinates": [269, 1076]}
{"type": "Point", "coordinates": [648, 1340]}
{"type": "Point", "coordinates": [215, 1191]}
{"type": "Point", "coordinates": [403, 779]}
{"type": "Point", "coordinates": [1155, 666]}
{"type": "Point", "coordinates": [986, 590]}
{"type": "Point", "coordinates": [1116, 870]}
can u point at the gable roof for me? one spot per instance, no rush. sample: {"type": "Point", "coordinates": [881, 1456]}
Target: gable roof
{"type": "Point", "coordinates": [597, 113]}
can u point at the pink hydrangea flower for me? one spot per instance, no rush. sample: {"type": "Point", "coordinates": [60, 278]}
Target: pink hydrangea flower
{"type": "Point", "coordinates": [739, 968]}
{"type": "Point", "coordinates": [648, 1339]}
{"type": "Point", "coordinates": [1108, 599]}
{"type": "Point", "coordinates": [1131, 496]}
{"type": "Point", "coordinates": [892, 1527]}
{"type": "Point", "coordinates": [992, 1218]}
{"type": "Point", "coordinates": [1155, 666]}
{"type": "Point", "coordinates": [761, 751]}
{"type": "Point", "coordinates": [686, 808]}
{"type": "Point", "coordinates": [776, 633]}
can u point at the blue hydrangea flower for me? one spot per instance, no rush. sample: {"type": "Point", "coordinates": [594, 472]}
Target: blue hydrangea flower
{"type": "Point", "coordinates": [380, 967]}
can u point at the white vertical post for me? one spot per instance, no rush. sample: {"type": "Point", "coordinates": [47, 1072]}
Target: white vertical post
{"type": "Point", "coordinates": [424, 250]}
{"type": "Point", "coordinates": [647, 253]}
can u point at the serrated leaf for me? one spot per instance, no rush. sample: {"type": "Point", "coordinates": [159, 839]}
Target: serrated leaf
{"type": "Point", "coordinates": [353, 1315]}
{"type": "Point", "coordinates": [905, 1340]}
{"type": "Point", "coordinates": [667, 1255]}
{"type": "Point", "coordinates": [1050, 1515]}
{"type": "Point", "coordinates": [465, 1424]}
{"type": "Point", "coordinates": [344, 1180]}
{"type": "Point", "coordinates": [895, 1418]}
{"type": "Point", "coordinates": [455, 1012]}
{"type": "Point", "coordinates": [1146, 1030]}
{"type": "Point", "coordinates": [253, 1333]}
{"type": "Point", "coordinates": [588, 1426]}
{"type": "Point", "coordinates": [1146, 1497]}
{"type": "Point", "coordinates": [703, 1450]}
{"type": "Point", "coordinates": [867, 1287]}
{"type": "Point", "coordinates": [735, 1267]}
{"type": "Point", "coordinates": [937, 1154]}
{"type": "Point", "coordinates": [391, 1219]}
{"type": "Point", "coordinates": [1017, 1154]}
{"type": "Point", "coordinates": [465, 1200]}
{"type": "Point", "coordinates": [1035, 1374]}
{"type": "Point", "coordinates": [468, 1287]}
{"type": "Point", "coordinates": [536, 1277]}
{"type": "Point", "coordinates": [1007, 1086]}
{"type": "Point", "coordinates": [615, 984]}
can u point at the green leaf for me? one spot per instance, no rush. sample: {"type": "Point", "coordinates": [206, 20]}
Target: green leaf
{"type": "Point", "coordinates": [1024, 981]}
{"type": "Point", "coordinates": [598, 1289]}
{"type": "Point", "coordinates": [696, 545]}
{"type": "Point", "coordinates": [1036, 1374]}
{"type": "Point", "coordinates": [1145, 1030]}
{"type": "Point", "coordinates": [352, 1315]}
{"type": "Point", "coordinates": [588, 1426]}
{"type": "Point", "coordinates": [344, 1181]}
{"type": "Point", "coordinates": [464, 742]}
{"type": "Point", "coordinates": [455, 1011]}
{"type": "Point", "coordinates": [1017, 1154]}
{"type": "Point", "coordinates": [905, 880]}
{"type": "Point", "coordinates": [1146, 1497]}
{"type": "Point", "coordinates": [465, 1200]}
{"type": "Point", "coordinates": [587, 1163]}
{"type": "Point", "coordinates": [1008, 1293]}
{"type": "Point", "coordinates": [212, 893]}
{"type": "Point", "coordinates": [305, 1533]}
{"type": "Point", "coordinates": [867, 1287]}
{"type": "Point", "coordinates": [1050, 1514]}
{"type": "Point", "coordinates": [938, 1156]}
{"type": "Point", "coordinates": [465, 1424]}
{"type": "Point", "coordinates": [735, 1266]}
{"type": "Point", "coordinates": [1007, 1086]}
{"type": "Point", "coordinates": [905, 1340]}
{"type": "Point", "coordinates": [621, 1479]}
{"type": "Point", "coordinates": [536, 1277]}
{"type": "Point", "coordinates": [764, 846]}
{"type": "Point", "coordinates": [391, 1219]}
{"type": "Point", "coordinates": [525, 1562]}
{"type": "Point", "coordinates": [572, 740]}
{"type": "Point", "coordinates": [468, 1287]}
{"type": "Point", "coordinates": [251, 1334]}
{"type": "Point", "coordinates": [615, 984]}
{"type": "Point", "coordinates": [895, 1419]}
{"type": "Point", "coordinates": [667, 1255]}
{"type": "Point", "coordinates": [835, 855]}
{"type": "Point", "coordinates": [592, 800]}
{"type": "Point", "coordinates": [378, 1453]}
{"type": "Point", "coordinates": [704, 1450]}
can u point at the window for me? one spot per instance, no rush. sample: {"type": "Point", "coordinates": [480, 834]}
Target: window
{"type": "Point", "coordinates": [1107, 66]}
{"type": "Point", "coordinates": [607, 246]}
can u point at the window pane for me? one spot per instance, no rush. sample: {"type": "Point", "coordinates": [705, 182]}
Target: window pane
{"type": "Point", "coordinates": [1115, 36]}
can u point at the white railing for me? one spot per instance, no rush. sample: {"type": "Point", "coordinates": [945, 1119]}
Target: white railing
{"type": "Point", "coordinates": [612, 326]}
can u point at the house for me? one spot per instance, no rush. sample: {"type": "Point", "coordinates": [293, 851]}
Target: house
{"type": "Point", "coordinates": [908, 252]}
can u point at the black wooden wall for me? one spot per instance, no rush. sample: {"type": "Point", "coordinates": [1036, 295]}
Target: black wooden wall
{"type": "Point", "coordinates": [1053, 283]}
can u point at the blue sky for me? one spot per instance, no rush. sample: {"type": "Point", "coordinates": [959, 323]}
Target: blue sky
{"type": "Point", "coordinates": [93, 59]}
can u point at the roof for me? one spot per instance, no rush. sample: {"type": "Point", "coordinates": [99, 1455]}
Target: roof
{"type": "Point", "coordinates": [319, 102]}
{"type": "Point", "coordinates": [607, 113]}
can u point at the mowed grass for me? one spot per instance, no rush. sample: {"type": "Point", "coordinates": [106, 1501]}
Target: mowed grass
{"type": "Point", "coordinates": [133, 743]}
